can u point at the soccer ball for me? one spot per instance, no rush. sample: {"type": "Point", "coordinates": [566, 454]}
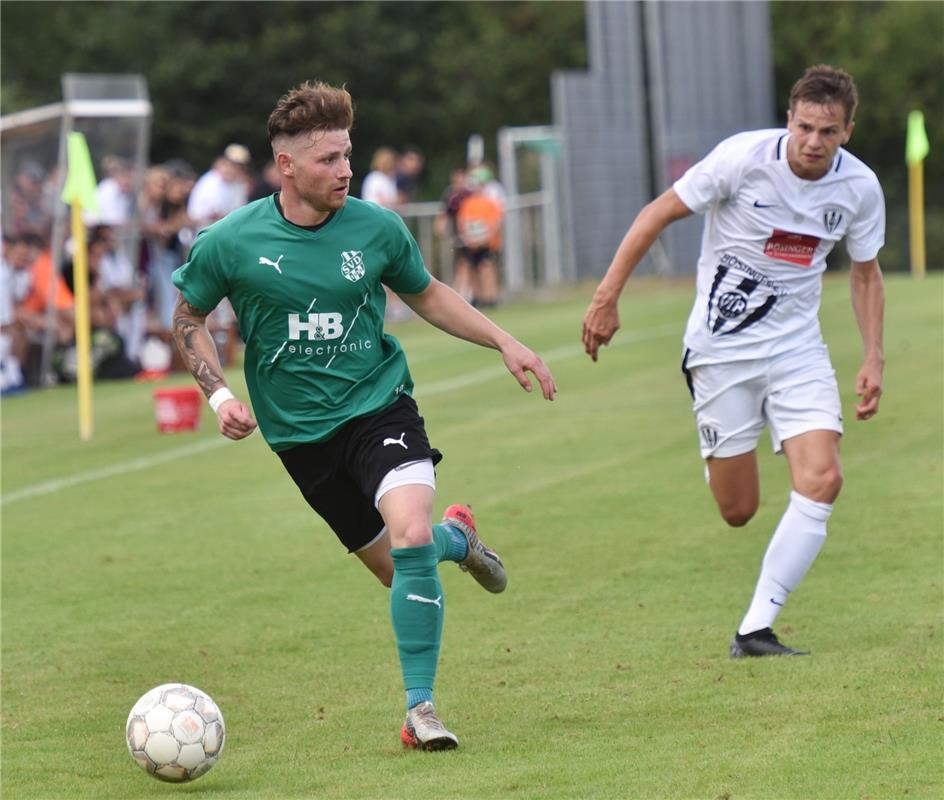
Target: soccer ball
{"type": "Point", "coordinates": [175, 732]}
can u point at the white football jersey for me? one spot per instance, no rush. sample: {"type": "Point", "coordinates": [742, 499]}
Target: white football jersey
{"type": "Point", "coordinates": [766, 237]}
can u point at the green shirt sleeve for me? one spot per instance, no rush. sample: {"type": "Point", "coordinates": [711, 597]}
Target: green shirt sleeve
{"type": "Point", "coordinates": [202, 280]}
{"type": "Point", "coordinates": [405, 273]}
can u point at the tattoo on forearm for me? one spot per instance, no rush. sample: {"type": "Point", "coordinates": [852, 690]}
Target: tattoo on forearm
{"type": "Point", "coordinates": [197, 347]}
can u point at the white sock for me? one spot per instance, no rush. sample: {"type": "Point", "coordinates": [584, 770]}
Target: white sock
{"type": "Point", "coordinates": [792, 550]}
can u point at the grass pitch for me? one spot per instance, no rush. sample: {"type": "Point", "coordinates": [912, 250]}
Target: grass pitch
{"type": "Point", "coordinates": [140, 558]}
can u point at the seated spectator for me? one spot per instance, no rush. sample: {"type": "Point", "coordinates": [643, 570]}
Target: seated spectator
{"type": "Point", "coordinates": [26, 208]}
{"type": "Point", "coordinates": [172, 242]}
{"type": "Point", "coordinates": [223, 188]}
{"type": "Point", "coordinates": [32, 311]}
{"type": "Point", "coordinates": [123, 287]}
{"type": "Point", "coordinates": [149, 207]}
{"type": "Point", "coordinates": [106, 309]}
{"type": "Point", "coordinates": [114, 193]}
{"type": "Point", "coordinates": [16, 324]}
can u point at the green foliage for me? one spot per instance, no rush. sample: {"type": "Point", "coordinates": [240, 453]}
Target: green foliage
{"type": "Point", "coordinates": [602, 673]}
{"type": "Point", "coordinates": [427, 74]}
{"type": "Point", "coordinates": [895, 52]}
{"type": "Point", "coordinates": [432, 73]}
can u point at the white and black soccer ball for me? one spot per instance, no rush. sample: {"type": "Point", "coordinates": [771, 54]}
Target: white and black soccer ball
{"type": "Point", "coordinates": [175, 732]}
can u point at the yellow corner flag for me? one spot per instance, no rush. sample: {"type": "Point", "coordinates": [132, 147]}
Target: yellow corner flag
{"type": "Point", "coordinates": [79, 192]}
{"type": "Point", "coordinates": [916, 148]}
{"type": "Point", "coordinates": [916, 145]}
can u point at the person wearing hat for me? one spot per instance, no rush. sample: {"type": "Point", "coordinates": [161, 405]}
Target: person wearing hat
{"type": "Point", "coordinates": [223, 188]}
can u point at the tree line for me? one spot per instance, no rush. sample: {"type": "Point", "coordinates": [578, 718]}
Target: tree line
{"type": "Point", "coordinates": [428, 74]}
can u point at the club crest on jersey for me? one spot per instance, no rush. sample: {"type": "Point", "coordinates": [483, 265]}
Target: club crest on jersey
{"type": "Point", "coordinates": [831, 219]}
{"type": "Point", "coordinates": [352, 264]}
{"type": "Point", "coordinates": [740, 297]}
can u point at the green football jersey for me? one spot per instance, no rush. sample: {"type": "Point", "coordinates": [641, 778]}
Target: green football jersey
{"type": "Point", "coordinates": [310, 306]}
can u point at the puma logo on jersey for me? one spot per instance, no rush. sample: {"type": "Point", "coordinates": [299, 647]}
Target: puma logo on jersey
{"type": "Point", "coordinates": [420, 599]}
{"type": "Point", "coordinates": [264, 260]}
{"type": "Point", "coordinates": [390, 440]}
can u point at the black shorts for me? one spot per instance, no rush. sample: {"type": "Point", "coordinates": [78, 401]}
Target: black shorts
{"type": "Point", "coordinates": [475, 256]}
{"type": "Point", "coordinates": [339, 477]}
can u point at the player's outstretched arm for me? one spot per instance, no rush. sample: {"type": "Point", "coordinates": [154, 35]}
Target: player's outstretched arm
{"type": "Point", "coordinates": [868, 303]}
{"type": "Point", "coordinates": [441, 306]}
{"type": "Point", "coordinates": [199, 353]}
{"type": "Point", "coordinates": [601, 320]}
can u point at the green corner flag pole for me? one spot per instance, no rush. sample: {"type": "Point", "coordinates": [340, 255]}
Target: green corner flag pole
{"type": "Point", "coordinates": [79, 192]}
{"type": "Point", "coordinates": [916, 148]}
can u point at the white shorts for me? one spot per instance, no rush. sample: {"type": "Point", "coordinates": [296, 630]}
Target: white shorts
{"type": "Point", "coordinates": [412, 473]}
{"type": "Point", "coordinates": [790, 394]}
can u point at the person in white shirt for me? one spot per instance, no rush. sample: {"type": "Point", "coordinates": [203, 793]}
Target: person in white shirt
{"type": "Point", "coordinates": [114, 194]}
{"type": "Point", "coordinates": [775, 202]}
{"type": "Point", "coordinates": [224, 188]}
{"type": "Point", "coordinates": [380, 184]}
{"type": "Point", "coordinates": [380, 187]}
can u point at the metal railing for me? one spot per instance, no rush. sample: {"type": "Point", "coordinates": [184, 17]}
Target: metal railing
{"type": "Point", "coordinates": [524, 258]}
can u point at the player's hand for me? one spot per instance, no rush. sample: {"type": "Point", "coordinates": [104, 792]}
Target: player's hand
{"type": "Point", "coordinates": [869, 389]}
{"type": "Point", "coordinates": [520, 360]}
{"type": "Point", "coordinates": [600, 323]}
{"type": "Point", "coordinates": [235, 419]}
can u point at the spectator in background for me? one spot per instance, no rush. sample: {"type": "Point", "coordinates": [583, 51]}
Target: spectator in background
{"type": "Point", "coordinates": [16, 324]}
{"type": "Point", "coordinates": [116, 278]}
{"type": "Point", "coordinates": [380, 187]}
{"type": "Point", "coordinates": [409, 170]}
{"type": "Point", "coordinates": [479, 223]}
{"type": "Point", "coordinates": [492, 187]}
{"type": "Point", "coordinates": [107, 309]}
{"type": "Point", "coordinates": [114, 193]}
{"type": "Point", "coordinates": [26, 210]}
{"type": "Point", "coordinates": [44, 284]}
{"type": "Point", "coordinates": [223, 188]}
{"type": "Point", "coordinates": [380, 184]}
{"type": "Point", "coordinates": [446, 228]}
{"type": "Point", "coordinates": [149, 207]}
{"type": "Point", "coordinates": [171, 240]}
{"type": "Point", "coordinates": [267, 181]}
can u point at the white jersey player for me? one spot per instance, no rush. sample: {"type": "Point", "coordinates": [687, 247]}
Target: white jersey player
{"type": "Point", "coordinates": [775, 203]}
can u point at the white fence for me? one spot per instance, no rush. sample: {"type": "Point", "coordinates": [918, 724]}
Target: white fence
{"type": "Point", "coordinates": [524, 260]}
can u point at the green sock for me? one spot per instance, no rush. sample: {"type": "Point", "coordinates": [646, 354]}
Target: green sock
{"type": "Point", "coordinates": [450, 544]}
{"type": "Point", "coordinates": [416, 609]}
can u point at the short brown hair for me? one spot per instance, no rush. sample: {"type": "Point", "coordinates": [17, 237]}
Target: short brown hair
{"type": "Point", "coordinates": [823, 85]}
{"type": "Point", "coordinates": [312, 106]}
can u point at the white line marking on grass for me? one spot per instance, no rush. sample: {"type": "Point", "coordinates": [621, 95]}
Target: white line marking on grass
{"type": "Point", "coordinates": [557, 354]}
{"type": "Point", "coordinates": [440, 387]}
{"type": "Point", "coordinates": [58, 484]}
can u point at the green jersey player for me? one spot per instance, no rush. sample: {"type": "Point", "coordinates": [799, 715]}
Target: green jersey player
{"type": "Point", "coordinates": [305, 271]}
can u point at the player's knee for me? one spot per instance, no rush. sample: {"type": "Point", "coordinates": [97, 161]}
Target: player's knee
{"type": "Point", "coordinates": [827, 485]}
{"type": "Point", "coordinates": [737, 515]}
{"type": "Point", "coordinates": [823, 485]}
{"type": "Point", "coordinates": [413, 534]}
{"type": "Point", "coordinates": [833, 484]}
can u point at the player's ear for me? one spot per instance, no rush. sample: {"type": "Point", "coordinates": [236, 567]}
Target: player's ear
{"type": "Point", "coordinates": [847, 134]}
{"type": "Point", "coordinates": [285, 164]}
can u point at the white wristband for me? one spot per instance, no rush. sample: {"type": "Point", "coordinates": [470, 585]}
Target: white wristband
{"type": "Point", "coordinates": [219, 397]}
